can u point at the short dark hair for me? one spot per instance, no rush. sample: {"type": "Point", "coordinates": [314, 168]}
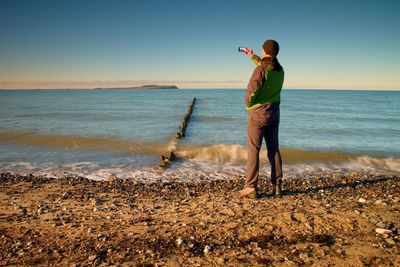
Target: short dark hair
{"type": "Point", "coordinates": [271, 47]}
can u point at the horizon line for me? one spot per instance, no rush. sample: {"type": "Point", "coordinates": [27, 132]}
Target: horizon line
{"type": "Point", "coordinates": [204, 88]}
{"type": "Point", "coordinates": [182, 84]}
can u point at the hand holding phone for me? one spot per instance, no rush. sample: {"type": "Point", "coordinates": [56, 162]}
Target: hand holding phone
{"type": "Point", "coordinates": [246, 50]}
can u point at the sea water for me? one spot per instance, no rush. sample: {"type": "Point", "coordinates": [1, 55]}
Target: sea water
{"type": "Point", "coordinates": [98, 133]}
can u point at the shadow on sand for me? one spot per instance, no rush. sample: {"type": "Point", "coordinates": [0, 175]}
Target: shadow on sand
{"type": "Point", "coordinates": [331, 187]}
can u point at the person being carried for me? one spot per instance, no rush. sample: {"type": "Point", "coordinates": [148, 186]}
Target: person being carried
{"type": "Point", "coordinates": [262, 101]}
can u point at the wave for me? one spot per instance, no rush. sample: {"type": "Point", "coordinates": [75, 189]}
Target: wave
{"type": "Point", "coordinates": [201, 157]}
{"type": "Point", "coordinates": [238, 154]}
{"type": "Point", "coordinates": [123, 146]}
{"type": "Point", "coordinates": [295, 160]}
{"type": "Point", "coordinates": [196, 170]}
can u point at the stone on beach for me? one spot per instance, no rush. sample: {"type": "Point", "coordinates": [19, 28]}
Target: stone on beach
{"type": "Point", "coordinates": [179, 241]}
{"type": "Point", "coordinates": [362, 200]}
{"type": "Point", "coordinates": [42, 208]}
{"type": "Point", "coordinates": [206, 249]}
{"type": "Point", "coordinates": [382, 231]}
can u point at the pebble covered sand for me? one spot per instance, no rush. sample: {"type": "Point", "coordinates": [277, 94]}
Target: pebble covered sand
{"type": "Point", "coordinates": [326, 219]}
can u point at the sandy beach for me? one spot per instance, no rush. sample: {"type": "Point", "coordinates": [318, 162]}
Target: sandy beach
{"type": "Point", "coordinates": [336, 219]}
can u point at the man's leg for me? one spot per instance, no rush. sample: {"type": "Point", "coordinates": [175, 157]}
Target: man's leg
{"type": "Point", "coordinates": [254, 140]}
{"type": "Point", "coordinates": [274, 157]}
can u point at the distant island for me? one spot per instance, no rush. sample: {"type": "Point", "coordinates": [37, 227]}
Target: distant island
{"type": "Point", "coordinates": [151, 86]}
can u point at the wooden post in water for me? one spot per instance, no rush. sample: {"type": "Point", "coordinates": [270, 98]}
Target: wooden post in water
{"type": "Point", "coordinates": [168, 157]}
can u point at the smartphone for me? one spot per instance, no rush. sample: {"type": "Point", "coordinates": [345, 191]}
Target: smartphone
{"type": "Point", "coordinates": [241, 49]}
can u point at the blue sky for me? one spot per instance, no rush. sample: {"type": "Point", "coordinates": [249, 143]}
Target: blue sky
{"type": "Point", "coordinates": [324, 44]}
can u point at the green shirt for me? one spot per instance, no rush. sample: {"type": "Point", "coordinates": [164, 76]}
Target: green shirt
{"type": "Point", "coordinates": [265, 84]}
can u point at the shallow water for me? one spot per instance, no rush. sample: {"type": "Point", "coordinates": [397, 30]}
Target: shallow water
{"type": "Point", "coordinates": [97, 133]}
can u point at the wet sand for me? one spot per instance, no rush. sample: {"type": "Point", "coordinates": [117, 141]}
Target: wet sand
{"type": "Point", "coordinates": [332, 219]}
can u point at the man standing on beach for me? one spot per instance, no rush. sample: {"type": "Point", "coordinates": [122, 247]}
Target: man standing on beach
{"type": "Point", "coordinates": [262, 100]}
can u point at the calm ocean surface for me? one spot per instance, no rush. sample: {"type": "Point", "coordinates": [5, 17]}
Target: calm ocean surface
{"type": "Point", "coordinates": [98, 133]}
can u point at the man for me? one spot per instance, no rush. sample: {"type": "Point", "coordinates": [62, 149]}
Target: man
{"type": "Point", "coordinates": [262, 100]}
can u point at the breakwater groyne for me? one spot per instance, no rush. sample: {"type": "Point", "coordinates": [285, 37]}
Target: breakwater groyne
{"type": "Point", "coordinates": [169, 157]}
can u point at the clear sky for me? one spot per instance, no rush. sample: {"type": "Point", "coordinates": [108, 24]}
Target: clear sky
{"type": "Point", "coordinates": [77, 43]}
